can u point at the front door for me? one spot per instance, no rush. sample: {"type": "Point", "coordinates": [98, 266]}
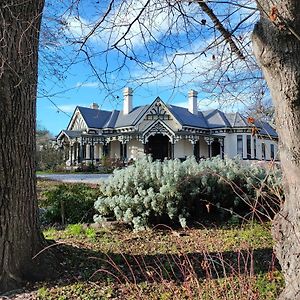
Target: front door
{"type": "Point", "coordinates": [159, 146]}
{"type": "Point", "coordinates": [215, 148]}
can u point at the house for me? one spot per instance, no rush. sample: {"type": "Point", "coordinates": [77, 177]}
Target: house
{"type": "Point", "coordinates": [164, 131]}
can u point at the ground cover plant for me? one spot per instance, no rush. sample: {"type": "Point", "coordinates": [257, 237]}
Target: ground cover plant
{"type": "Point", "coordinates": [227, 262]}
{"type": "Point", "coordinates": [152, 192]}
{"type": "Point", "coordinates": [211, 260]}
{"type": "Point", "coordinates": [203, 262]}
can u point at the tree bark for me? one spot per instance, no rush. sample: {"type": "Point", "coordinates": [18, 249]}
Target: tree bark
{"type": "Point", "coordinates": [277, 48]}
{"type": "Point", "coordinates": [20, 238]}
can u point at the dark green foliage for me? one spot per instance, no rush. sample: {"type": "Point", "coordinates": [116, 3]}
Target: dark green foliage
{"type": "Point", "coordinates": [69, 203]}
{"type": "Point", "coordinates": [48, 157]}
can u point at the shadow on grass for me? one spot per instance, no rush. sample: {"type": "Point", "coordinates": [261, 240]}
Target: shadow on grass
{"type": "Point", "coordinates": [81, 264]}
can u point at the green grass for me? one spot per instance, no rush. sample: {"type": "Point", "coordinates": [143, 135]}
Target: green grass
{"type": "Point", "coordinates": [76, 231]}
{"type": "Point", "coordinates": [206, 263]}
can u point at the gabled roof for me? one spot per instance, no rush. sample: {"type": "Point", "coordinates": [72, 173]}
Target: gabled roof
{"type": "Point", "coordinates": [101, 119]}
{"type": "Point", "coordinates": [111, 122]}
{"type": "Point", "coordinates": [186, 118]}
{"type": "Point", "coordinates": [216, 119]}
{"type": "Point", "coordinates": [94, 118]}
{"type": "Point", "coordinates": [131, 118]}
{"type": "Point", "coordinates": [266, 129]}
{"type": "Point", "coordinates": [71, 134]}
{"type": "Point", "coordinates": [150, 108]}
{"type": "Point", "coordinates": [237, 120]}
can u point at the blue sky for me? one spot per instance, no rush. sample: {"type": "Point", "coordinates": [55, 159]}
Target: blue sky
{"type": "Point", "coordinates": [184, 62]}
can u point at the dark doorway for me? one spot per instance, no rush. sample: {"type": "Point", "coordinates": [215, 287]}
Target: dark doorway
{"type": "Point", "coordinates": [196, 150]}
{"type": "Point", "coordinates": [159, 146]}
{"type": "Point", "coordinates": [215, 148]}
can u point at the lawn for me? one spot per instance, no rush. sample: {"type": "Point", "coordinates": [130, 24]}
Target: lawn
{"type": "Point", "coordinates": [161, 263]}
{"type": "Point", "coordinates": [203, 262]}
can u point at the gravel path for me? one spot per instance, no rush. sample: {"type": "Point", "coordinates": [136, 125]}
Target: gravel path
{"type": "Point", "coordinates": [83, 178]}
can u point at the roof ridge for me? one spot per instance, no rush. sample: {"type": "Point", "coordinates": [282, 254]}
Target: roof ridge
{"type": "Point", "coordinates": [112, 114]}
{"type": "Point", "coordinates": [235, 117]}
{"type": "Point", "coordinates": [95, 109]}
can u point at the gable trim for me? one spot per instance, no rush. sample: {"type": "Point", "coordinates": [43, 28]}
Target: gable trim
{"type": "Point", "coordinates": [74, 116]}
{"type": "Point", "coordinates": [151, 106]}
{"type": "Point", "coordinates": [167, 130]}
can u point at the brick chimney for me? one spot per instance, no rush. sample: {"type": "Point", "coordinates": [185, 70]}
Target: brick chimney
{"type": "Point", "coordinates": [193, 102]}
{"type": "Point", "coordinates": [127, 104]}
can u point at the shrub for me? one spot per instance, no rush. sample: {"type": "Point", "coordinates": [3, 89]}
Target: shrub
{"type": "Point", "coordinates": [86, 168]}
{"type": "Point", "coordinates": [48, 158]}
{"type": "Point", "coordinates": [69, 203]}
{"type": "Point", "coordinates": [158, 192]}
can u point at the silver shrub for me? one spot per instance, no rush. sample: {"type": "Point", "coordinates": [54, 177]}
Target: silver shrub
{"type": "Point", "coordinates": [150, 189]}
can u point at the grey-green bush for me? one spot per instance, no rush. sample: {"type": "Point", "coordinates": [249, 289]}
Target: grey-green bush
{"type": "Point", "coordinates": [152, 192]}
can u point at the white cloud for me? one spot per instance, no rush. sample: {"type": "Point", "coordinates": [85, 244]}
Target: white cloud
{"type": "Point", "coordinates": [189, 67]}
{"type": "Point", "coordinates": [68, 108]}
{"type": "Point", "coordinates": [78, 27]}
{"type": "Point", "coordinates": [93, 84]}
{"type": "Point", "coordinates": [179, 68]}
{"type": "Point", "coordinates": [133, 24]}
{"type": "Point", "coordinates": [181, 104]}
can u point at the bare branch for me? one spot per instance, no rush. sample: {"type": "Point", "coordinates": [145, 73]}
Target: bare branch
{"type": "Point", "coordinates": [219, 26]}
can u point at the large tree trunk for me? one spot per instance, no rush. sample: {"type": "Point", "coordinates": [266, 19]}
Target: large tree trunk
{"type": "Point", "coordinates": [277, 49]}
{"type": "Point", "coordinates": [20, 238]}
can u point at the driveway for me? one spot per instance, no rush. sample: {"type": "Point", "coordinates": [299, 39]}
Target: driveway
{"type": "Point", "coordinates": [83, 178]}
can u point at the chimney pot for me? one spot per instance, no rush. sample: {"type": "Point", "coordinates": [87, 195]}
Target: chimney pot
{"type": "Point", "coordinates": [193, 102]}
{"type": "Point", "coordinates": [94, 106]}
{"type": "Point", "coordinates": [127, 104]}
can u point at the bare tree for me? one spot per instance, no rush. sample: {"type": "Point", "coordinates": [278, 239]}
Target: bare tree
{"type": "Point", "coordinates": [186, 38]}
{"type": "Point", "coordinates": [181, 42]}
{"type": "Point", "coordinates": [20, 238]}
{"type": "Point", "coordinates": [276, 44]}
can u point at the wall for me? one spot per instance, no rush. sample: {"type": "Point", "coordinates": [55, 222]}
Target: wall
{"type": "Point", "coordinates": [182, 149]}
{"type": "Point", "coordinates": [98, 151]}
{"type": "Point", "coordinates": [230, 146]}
{"type": "Point", "coordinates": [115, 149]}
{"type": "Point", "coordinates": [135, 149]}
{"type": "Point", "coordinates": [203, 148]}
{"type": "Point", "coordinates": [268, 148]}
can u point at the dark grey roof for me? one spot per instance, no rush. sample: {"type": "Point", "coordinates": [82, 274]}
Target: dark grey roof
{"type": "Point", "coordinates": [266, 129]}
{"type": "Point", "coordinates": [70, 133]}
{"type": "Point", "coordinates": [237, 120]}
{"type": "Point", "coordinates": [131, 118]}
{"type": "Point", "coordinates": [111, 122]}
{"type": "Point", "coordinates": [216, 119]}
{"type": "Point", "coordinates": [231, 118]}
{"type": "Point", "coordinates": [186, 118]}
{"type": "Point", "coordinates": [94, 118]}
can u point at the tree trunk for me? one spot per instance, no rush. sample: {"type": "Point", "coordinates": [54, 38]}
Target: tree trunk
{"type": "Point", "coordinates": [20, 238]}
{"type": "Point", "coordinates": [277, 48]}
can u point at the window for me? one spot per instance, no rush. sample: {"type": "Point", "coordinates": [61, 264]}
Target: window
{"type": "Point", "coordinates": [240, 145]}
{"type": "Point", "coordinates": [263, 151]}
{"type": "Point", "coordinates": [248, 146]}
{"type": "Point", "coordinates": [254, 146]}
{"type": "Point", "coordinates": [272, 151]}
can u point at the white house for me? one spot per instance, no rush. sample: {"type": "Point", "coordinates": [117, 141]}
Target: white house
{"type": "Point", "coordinates": [164, 131]}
